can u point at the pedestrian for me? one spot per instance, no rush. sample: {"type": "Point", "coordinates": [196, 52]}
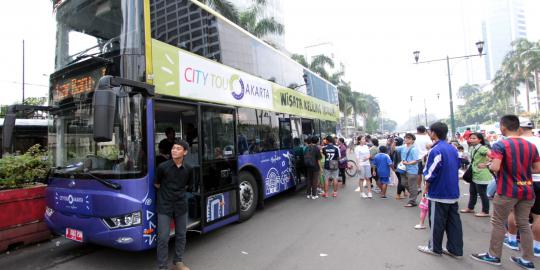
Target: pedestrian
{"type": "Point", "coordinates": [312, 156]}
{"type": "Point", "coordinates": [361, 151]}
{"type": "Point", "coordinates": [383, 165]}
{"type": "Point", "coordinates": [442, 191]}
{"type": "Point", "coordinates": [481, 176]}
{"type": "Point", "coordinates": [510, 240]}
{"type": "Point", "coordinates": [409, 157]}
{"type": "Point", "coordinates": [174, 178]}
{"type": "Point", "coordinates": [342, 160]}
{"type": "Point", "coordinates": [373, 151]}
{"type": "Point", "coordinates": [331, 166]}
{"type": "Point", "coordinates": [298, 152]}
{"type": "Point", "coordinates": [514, 159]}
{"type": "Point", "coordinates": [422, 143]}
{"type": "Point", "coordinates": [396, 159]}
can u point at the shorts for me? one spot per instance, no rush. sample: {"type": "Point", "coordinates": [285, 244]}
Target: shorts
{"type": "Point", "coordinates": [385, 180]}
{"type": "Point", "coordinates": [536, 207]}
{"type": "Point", "coordinates": [364, 171]}
{"type": "Point", "coordinates": [333, 174]}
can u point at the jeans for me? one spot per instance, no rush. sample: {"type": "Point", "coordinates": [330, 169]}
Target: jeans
{"type": "Point", "coordinates": [492, 188]}
{"type": "Point", "coordinates": [164, 222]}
{"type": "Point", "coordinates": [502, 206]}
{"type": "Point", "coordinates": [444, 217]}
{"type": "Point", "coordinates": [475, 190]}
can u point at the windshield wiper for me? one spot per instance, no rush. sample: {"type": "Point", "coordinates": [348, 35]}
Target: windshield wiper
{"type": "Point", "coordinates": [77, 168]}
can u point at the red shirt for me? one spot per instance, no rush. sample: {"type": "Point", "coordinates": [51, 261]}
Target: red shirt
{"type": "Point", "coordinates": [517, 157]}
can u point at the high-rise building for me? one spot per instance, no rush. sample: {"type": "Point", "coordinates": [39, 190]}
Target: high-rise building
{"type": "Point", "coordinates": [505, 22]}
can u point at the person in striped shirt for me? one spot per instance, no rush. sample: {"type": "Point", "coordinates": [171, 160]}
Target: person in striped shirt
{"type": "Point", "coordinates": [514, 160]}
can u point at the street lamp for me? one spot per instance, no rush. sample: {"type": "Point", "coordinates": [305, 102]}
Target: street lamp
{"type": "Point", "coordinates": [480, 48]}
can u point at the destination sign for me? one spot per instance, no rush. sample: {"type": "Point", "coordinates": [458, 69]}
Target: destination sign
{"type": "Point", "coordinates": [77, 85]}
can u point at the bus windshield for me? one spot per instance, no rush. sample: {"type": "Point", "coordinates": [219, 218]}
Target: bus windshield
{"type": "Point", "coordinates": [71, 140]}
{"type": "Point", "coordinates": [98, 28]}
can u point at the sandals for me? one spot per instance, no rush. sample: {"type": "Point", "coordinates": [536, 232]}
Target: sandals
{"type": "Point", "coordinates": [466, 210]}
{"type": "Point", "coordinates": [481, 214]}
{"type": "Point", "coordinates": [409, 205]}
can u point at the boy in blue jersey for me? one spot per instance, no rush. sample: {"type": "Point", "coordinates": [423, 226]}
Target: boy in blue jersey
{"type": "Point", "coordinates": [383, 163]}
{"type": "Point", "coordinates": [442, 190]}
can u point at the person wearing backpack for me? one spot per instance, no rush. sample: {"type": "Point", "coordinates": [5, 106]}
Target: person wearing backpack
{"type": "Point", "coordinates": [331, 166]}
{"type": "Point", "coordinates": [312, 156]}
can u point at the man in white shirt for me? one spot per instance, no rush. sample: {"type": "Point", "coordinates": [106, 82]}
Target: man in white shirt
{"type": "Point", "coordinates": [423, 144]}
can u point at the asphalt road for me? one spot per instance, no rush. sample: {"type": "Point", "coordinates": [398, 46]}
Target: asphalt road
{"type": "Point", "coordinates": [291, 232]}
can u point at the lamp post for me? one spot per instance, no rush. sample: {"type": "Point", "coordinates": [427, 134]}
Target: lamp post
{"type": "Point", "coordinates": [480, 47]}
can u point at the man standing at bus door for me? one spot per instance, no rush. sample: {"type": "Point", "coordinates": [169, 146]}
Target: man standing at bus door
{"type": "Point", "coordinates": [168, 142]}
{"type": "Point", "coordinates": [174, 178]}
{"type": "Point", "coordinates": [331, 165]}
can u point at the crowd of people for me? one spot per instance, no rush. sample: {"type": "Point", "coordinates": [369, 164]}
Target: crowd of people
{"type": "Point", "coordinates": [425, 168]}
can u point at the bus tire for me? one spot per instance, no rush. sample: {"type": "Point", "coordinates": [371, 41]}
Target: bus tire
{"type": "Point", "coordinates": [249, 195]}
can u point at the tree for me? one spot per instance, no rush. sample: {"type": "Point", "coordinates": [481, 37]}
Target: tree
{"type": "Point", "coordinates": [468, 90]}
{"type": "Point", "coordinates": [225, 8]}
{"type": "Point", "coordinates": [517, 67]}
{"type": "Point", "coordinates": [253, 21]}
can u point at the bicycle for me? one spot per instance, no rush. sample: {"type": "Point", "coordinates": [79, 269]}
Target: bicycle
{"type": "Point", "coordinates": [352, 168]}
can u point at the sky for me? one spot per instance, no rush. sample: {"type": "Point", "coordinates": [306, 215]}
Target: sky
{"type": "Point", "coordinates": [374, 39]}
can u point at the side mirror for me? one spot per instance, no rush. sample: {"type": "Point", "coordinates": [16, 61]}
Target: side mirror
{"type": "Point", "coordinates": [104, 106]}
{"type": "Point", "coordinates": [7, 132]}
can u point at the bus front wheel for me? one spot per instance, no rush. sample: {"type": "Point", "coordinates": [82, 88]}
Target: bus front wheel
{"type": "Point", "coordinates": [249, 195]}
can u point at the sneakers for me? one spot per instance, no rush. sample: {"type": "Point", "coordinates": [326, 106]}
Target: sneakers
{"type": "Point", "coordinates": [485, 257]}
{"type": "Point", "coordinates": [520, 262]}
{"type": "Point", "coordinates": [314, 197]}
{"type": "Point", "coordinates": [334, 194]}
{"type": "Point", "coordinates": [513, 245]}
{"type": "Point", "coordinates": [324, 195]}
{"type": "Point", "coordinates": [370, 195]}
{"type": "Point", "coordinates": [536, 252]}
{"type": "Point", "coordinates": [419, 226]}
{"type": "Point", "coordinates": [363, 195]}
{"type": "Point", "coordinates": [428, 250]}
{"type": "Point", "coordinates": [357, 189]}
{"type": "Point", "coordinates": [308, 196]}
{"type": "Point", "coordinates": [446, 252]}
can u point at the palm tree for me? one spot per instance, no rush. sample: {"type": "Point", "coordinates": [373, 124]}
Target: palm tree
{"type": "Point", "coordinates": [505, 86]}
{"type": "Point", "coordinates": [468, 90]}
{"type": "Point", "coordinates": [251, 19]}
{"type": "Point", "coordinates": [514, 63]}
{"type": "Point", "coordinates": [301, 59]}
{"type": "Point", "coordinates": [224, 7]}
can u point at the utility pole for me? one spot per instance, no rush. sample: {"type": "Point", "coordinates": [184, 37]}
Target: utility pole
{"type": "Point", "coordinates": [23, 72]}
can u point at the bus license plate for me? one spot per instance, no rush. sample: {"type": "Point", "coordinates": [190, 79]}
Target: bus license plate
{"type": "Point", "coordinates": [74, 235]}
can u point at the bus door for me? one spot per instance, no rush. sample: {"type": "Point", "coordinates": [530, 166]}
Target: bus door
{"type": "Point", "coordinates": [218, 170]}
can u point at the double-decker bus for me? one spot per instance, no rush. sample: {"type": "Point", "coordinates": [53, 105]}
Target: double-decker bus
{"type": "Point", "coordinates": [127, 71]}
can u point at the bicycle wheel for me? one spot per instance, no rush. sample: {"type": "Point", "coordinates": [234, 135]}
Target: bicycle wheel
{"type": "Point", "coordinates": [351, 169]}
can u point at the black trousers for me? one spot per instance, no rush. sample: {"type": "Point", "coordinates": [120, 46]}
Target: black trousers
{"type": "Point", "coordinates": [343, 175]}
{"type": "Point", "coordinates": [444, 217]}
{"type": "Point", "coordinates": [400, 188]}
{"type": "Point", "coordinates": [474, 191]}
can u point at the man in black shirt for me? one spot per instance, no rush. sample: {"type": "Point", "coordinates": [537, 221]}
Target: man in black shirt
{"type": "Point", "coordinates": [173, 179]}
{"type": "Point", "coordinates": [167, 143]}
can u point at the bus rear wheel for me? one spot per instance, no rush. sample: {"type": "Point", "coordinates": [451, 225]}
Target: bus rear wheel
{"type": "Point", "coordinates": [249, 195]}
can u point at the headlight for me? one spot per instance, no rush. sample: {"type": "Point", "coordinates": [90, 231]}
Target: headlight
{"type": "Point", "coordinates": [124, 221]}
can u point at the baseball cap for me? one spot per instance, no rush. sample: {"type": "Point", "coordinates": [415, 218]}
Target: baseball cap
{"type": "Point", "coordinates": [525, 122]}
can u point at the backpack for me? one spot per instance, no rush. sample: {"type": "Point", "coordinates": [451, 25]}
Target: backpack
{"type": "Point", "coordinates": [309, 158]}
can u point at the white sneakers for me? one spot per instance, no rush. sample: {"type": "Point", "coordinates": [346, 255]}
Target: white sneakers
{"type": "Point", "coordinates": [363, 195]}
{"type": "Point", "coordinates": [357, 189]}
{"type": "Point", "coordinates": [308, 196]}
{"type": "Point", "coordinates": [370, 195]}
{"type": "Point", "coordinates": [314, 197]}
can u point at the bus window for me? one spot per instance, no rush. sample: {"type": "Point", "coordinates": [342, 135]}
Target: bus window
{"type": "Point", "coordinates": [285, 136]}
{"type": "Point", "coordinates": [259, 128]}
{"type": "Point", "coordinates": [307, 127]}
{"type": "Point", "coordinates": [218, 130]}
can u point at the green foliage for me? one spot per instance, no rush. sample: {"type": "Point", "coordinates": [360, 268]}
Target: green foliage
{"type": "Point", "coordinates": [480, 108]}
{"type": "Point", "coordinates": [17, 171]}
